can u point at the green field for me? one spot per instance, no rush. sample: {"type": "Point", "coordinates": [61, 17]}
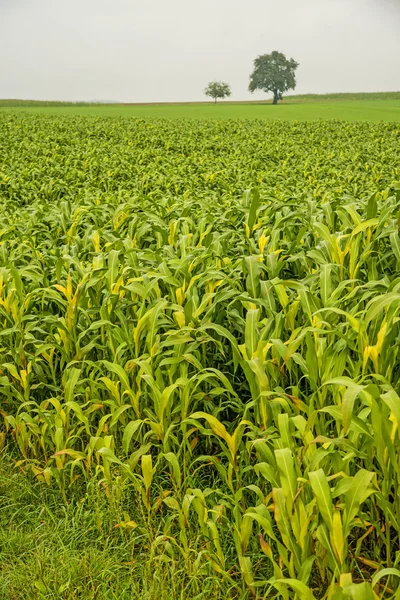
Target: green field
{"type": "Point", "coordinates": [199, 340]}
{"type": "Point", "coordinates": [347, 110]}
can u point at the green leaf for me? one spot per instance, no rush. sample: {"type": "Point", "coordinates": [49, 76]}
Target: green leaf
{"type": "Point", "coordinates": [72, 379]}
{"type": "Point", "coordinates": [303, 592]}
{"type": "Point", "coordinates": [129, 432]}
{"type": "Point", "coordinates": [358, 491]}
{"type": "Point", "coordinates": [322, 492]}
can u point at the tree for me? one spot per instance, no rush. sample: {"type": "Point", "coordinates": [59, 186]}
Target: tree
{"type": "Point", "coordinates": [218, 89]}
{"type": "Point", "coordinates": [273, 73]}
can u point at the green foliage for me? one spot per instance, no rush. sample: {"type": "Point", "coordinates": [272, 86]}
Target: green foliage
{"type": "Point", "coordinates": [218, 89]}
{"type": "Point", "coordinates": [207, 315]}
{"type": "Point", "coordinates": [273, 73]}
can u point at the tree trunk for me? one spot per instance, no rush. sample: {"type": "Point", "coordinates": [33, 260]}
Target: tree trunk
{"type": "Point", "coordinates": [215, 100]}
{"type": "Point", "coordinates": [275, 100]}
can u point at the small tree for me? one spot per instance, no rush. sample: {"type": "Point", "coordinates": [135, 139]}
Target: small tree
{"type": "Point", "coordinates": [218, 89]}
{"type": "Point", "coordinates": [273, 73]}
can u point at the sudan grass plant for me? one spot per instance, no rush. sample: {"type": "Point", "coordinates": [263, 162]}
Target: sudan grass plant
{"type": "Point", "coordinates": [206, 316]}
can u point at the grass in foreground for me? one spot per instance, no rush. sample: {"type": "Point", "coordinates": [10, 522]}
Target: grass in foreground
{"type": "Point", "coordinates": [53, 550]}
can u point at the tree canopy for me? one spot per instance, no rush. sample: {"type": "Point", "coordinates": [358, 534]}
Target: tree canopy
{"type": "Point", "coordinates": [273, 73]}
{"type": "Point", "coordinates": [218, 89]}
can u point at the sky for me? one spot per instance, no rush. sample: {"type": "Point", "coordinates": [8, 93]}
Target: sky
{"type": "Point", "coordinates": [168, 50]}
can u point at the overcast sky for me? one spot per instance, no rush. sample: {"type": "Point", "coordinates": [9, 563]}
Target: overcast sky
{"type": "Point", "coordinates": [168, 50]}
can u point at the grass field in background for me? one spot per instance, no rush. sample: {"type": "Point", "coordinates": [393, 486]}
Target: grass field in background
{"type": "Point", "coordinates": [339, 97]}
{"type": "Point", "coordinates": [308, 108]}
{"type": "Point", "coordinates": [295, 98]}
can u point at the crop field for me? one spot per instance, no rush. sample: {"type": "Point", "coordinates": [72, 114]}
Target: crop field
{"type": "Point", "coordinates": [352, 109]}
{"type": "Point", "coordinates": [199, 340]}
